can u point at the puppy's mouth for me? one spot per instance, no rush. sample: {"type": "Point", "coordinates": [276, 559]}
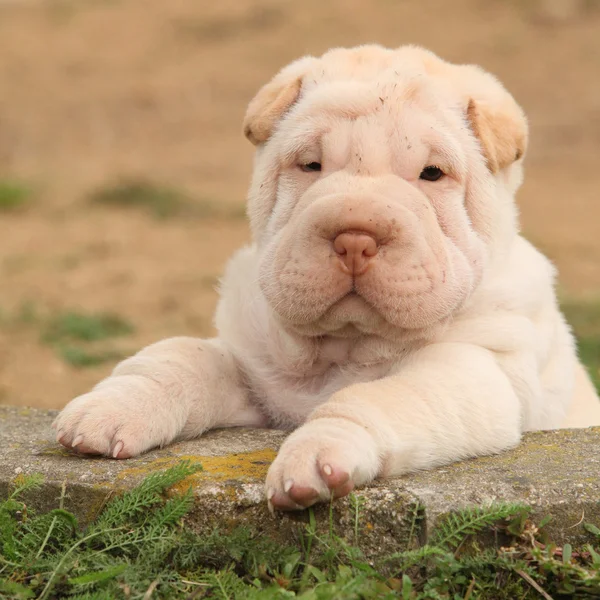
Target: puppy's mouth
{"type": "Point", "coordinates": [353, 299]}
{"type": "Point", "coordinates": [352, 310]}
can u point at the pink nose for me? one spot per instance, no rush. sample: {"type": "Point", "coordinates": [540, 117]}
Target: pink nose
{"type": "Point", "coordinates": [355, 251]}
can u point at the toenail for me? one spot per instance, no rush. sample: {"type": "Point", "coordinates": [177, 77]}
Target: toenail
{"type": "Point", "coordinates": [118, 448]}
{"type": "Point", "coordinates": [77, 441]}
{"type": "Point", "coordinates": [288, 485]}
{"type": "Point", "coordinates": [327, 469]}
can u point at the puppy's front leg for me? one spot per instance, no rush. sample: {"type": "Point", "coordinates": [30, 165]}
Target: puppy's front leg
{"type": "Point", "coordinates": [449, 402]}
{"type": "Point", "coordinates": [176, 388]}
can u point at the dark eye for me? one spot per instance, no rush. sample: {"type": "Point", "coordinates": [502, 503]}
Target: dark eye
{"type": "Point", "coordinates": [311, 167]}
{"type": "Point", "coordinates": [431, 173]}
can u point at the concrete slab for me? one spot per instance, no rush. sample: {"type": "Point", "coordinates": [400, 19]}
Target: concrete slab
{"type": "Point", "coordinates": [555, 472]}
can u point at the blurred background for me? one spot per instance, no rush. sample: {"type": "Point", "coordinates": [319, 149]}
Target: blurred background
{"type": "Point", "coordinates": [123, 169]}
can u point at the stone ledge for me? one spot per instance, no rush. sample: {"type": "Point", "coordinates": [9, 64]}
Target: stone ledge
{"type": "Point", "coordinates": [555, 472]}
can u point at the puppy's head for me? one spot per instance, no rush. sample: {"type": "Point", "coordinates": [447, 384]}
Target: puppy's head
{"type": "Point", "coordinates": [382, 188]}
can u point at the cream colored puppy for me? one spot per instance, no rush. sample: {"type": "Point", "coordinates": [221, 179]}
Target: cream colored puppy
{"type": "Point", "coordinates": [387, 310]}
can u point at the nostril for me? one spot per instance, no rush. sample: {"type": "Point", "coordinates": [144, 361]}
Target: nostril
{"type": "Point", "coordinates": [370, 246]}
{"type": "Point", "coordinates": [355, 249]}
{"type": "Point", "coordinates": [341, 243]}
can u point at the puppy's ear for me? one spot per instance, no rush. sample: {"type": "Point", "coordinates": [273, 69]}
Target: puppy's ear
{"type": "Point", "coordinates": [274, 99]}
{"type": "Point", "coordinates": [496, 119]}
{"type": "Point", "coordinates": [501, 130]}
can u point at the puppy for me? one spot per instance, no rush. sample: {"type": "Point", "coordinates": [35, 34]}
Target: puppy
{"type": "Point", "coordinates": [387, 310]}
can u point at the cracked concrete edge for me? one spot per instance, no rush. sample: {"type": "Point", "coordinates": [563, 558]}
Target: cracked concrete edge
{"type": "Point", "coordinates": [557, 473]}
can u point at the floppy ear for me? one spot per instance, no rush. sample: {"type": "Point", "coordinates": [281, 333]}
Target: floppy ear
{"type": "Point", "coordinates": [274, 99]}
{"type": "Point", "coordinates": [496, 119]}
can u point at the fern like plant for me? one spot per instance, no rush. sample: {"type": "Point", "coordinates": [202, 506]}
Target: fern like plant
{"type": "Point", "coordinates": [452, 531]}
{"type": "Point", "coordinates": [138, 548]}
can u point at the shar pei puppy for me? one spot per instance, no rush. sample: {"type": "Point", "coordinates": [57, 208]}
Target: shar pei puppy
{"type": "Point", "coordinates": [387, 311]}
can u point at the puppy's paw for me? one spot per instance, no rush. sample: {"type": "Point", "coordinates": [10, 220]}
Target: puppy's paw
{"type": "Point", "coordinates": [113, 421]}
{"type": "Point", "coordinates": [324, 458]}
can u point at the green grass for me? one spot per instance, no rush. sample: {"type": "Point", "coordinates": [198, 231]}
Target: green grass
{"type": "Point", "coordinates": [13, 195]}
{"type": "Point", "coordinates": [584, 318]}
{"type": "Point", "coordinates": [162, 201]}
{"type": "Point", "coordinates": [79, 339]}
{"type": "Point", "coordinates": [139, 546]}
{"type": "Point", "coordinates": [77, 326]}
{"type": "Point", "coordinates": [71, 334]}
{"type": "Point", "coordinates": [159, 201]}
{"type": "Point", "coordinates": [81, 357]}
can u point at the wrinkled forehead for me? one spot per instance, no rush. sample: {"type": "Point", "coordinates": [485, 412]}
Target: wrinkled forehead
{"type": "Point", "coordinates": [368, 77]}
{"type": "Point", "coordinates": [396, 101]}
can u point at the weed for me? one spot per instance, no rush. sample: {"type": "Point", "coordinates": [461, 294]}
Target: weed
{"type": "Point", "coordinates": [13, 195]}
{"type": "Point", "coordinates": [70, 333]}
{"type": "Point", "coordinates": [160, 201]}
{"type": "Point", "coordinates": [139, 545]}
{"type": "Point", "coordinates": [164, 202]}
{"type": "Point", "coordinates": [76, 326]}
{"type": "Point", "coordinates": [584, 318]}
{"type": "Point", "coordinates": [27, 313]}
{"type": "Point", "coordinates": [80, 357]}
{"type": "Point", "coordinates": [73, 335]}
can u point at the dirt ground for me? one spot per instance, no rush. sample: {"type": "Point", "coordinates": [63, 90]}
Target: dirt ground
{"type": "Point", "coordinates": [92, 92]}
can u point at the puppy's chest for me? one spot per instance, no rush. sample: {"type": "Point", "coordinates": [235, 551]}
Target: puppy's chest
{"type": "Point", "coordinates": [289, 396]}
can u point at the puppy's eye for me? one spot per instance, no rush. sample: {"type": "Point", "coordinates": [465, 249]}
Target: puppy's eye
{"type": "Point", "coordinates": [311, 167]}
{"type": "Point", "coordinates": [431, 173]}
